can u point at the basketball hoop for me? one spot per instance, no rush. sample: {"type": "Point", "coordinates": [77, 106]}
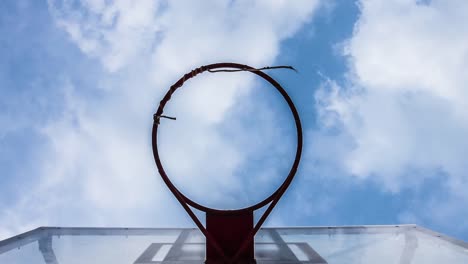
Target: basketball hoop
{"type": "Point", "coordinates": [229, 233]}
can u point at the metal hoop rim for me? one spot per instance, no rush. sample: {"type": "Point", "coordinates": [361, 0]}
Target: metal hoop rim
{"type": "Point", "coordinates": [279, 88]}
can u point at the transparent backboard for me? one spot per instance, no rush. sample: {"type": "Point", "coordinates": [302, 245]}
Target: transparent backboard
{"type": "Point", "coordinates": [356, 244]}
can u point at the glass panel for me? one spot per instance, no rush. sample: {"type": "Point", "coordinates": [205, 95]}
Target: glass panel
{"type": "Point", "coordinates": [28, 253]}
{"type": "Point", "coordinates": [378, 244]}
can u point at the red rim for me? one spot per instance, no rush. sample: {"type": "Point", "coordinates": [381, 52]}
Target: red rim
{"type": "Point", "coordinates": [286, 97]}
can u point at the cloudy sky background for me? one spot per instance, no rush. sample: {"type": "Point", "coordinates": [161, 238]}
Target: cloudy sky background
{"type": "Point", "coordinates": [381, 91]}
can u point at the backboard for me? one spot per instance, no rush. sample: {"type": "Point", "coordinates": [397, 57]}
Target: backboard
{"type": "Point", "coordinates": [353, 244]}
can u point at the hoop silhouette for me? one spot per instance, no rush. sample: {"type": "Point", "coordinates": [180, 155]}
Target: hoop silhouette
{"type": "Point", "coordinates": [221, 217]}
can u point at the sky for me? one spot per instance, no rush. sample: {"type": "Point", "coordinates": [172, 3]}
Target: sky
{"type": "Point", "coordinates": [380, 88]}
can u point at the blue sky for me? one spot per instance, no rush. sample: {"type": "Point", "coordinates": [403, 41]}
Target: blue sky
{"type": "Point", "coordinates": [381, 91]}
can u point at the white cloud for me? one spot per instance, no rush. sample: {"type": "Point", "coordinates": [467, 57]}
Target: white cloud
{"type": "Point", "coordinates": [404, 101]}
{"type": "Point", "coordinates": [97, 163]}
